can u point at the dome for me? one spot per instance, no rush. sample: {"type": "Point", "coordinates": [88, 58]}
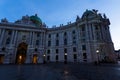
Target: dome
{"type": "Point", "coordinates": [35, 19]}
{"type": "Point", "coordinates": [89, 13]}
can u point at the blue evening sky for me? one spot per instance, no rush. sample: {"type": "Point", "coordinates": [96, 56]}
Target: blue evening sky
{"type": "Point", "coordinates": [55, 12]}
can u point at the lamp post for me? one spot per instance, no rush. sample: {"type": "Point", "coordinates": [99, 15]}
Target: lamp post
{"type": "Point", "coordinates": [65, 58]}
{"type": "Point", "coordinates": [97, 51]}
{"type": "Point", "coordinates": [44, 58]}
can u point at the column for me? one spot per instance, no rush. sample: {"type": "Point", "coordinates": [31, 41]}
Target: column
{"type": "Point", "coordinates": [44, 39]}
{"type": "Point", "coordinates": [12, 37]}
{"type": "Point", "coordinates": [0, 32]}
{"type": "Point", "coordinates": [93, 31]}
{"type": "Point", "coordinates": [33, 36]}
{"type": "Point", "coordinates": [2, 36]}
{"type": "Point", "coordinates": [87, 34]}
{"type": "Point", "coordinates": [40, 39]}
{"type": "Point", "coordinates": [15, 37]}
{"type": "Point", "coordinates": [30, 42]}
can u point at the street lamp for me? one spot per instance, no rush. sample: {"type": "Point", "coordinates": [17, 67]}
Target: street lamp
{"type": "Point", "coordinates": [97, 51]}
{"type": "Point", "coordinates": [44, 58]}
{"type": "Point", "coordinates": [65, 54]}
{"type": "Point", "coordinates": [65, 58]}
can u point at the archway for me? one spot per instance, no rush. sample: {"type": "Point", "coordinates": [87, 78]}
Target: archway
{"type": "Point", "coordinates": [35, 60]}
{"type": "Point", "coordinates": [1, 58]}
{"type": "Point", "coordinates": [21, 53]}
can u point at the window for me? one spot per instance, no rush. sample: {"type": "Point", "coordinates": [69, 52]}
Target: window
{"type": "Point", "coordinates": [65, 34]}
{"type": "Point", "coordinates": [57, 35]}
{"type": "Point", "coordinates": [74, 37]}
{"type": "Point", "coordinates": [48, 58]}
{"type": "Point", "coordinates": [84, 56]}
{"type": "Point", "coordinates": [75, 56]}
{"type": "Point", "coordinates": [9, 32]}
{"type": "Point", "coordinates": [74, 49]}
{"type": "Point", "coordinates": [74, 42]}
{"type": "Point", "coordinates": [96, 27]}
{"type": "Point", "coordinates": [83, 47]}
{"type": "Point", "coordinates": [65, 50]}
{"type": "Point", "coordinates": [65, 41]}
{"type": "Point", "coordinates": [8, 41]}
{"type": "Point", "coordinates": [48, 51]}
{"type": "Point", "coordinates": [49, 36]}
{"type": "Point", "coordinates": [37, 42]}
{"type": "Point", "coordinates": [49, 43]}
{"type": "Point", "coordinates": [57, 42]}
{"type": "Point", "coordinates": [38, 35]}
{"type": "Point", "coordinates": [56, 57]}
{"type": "Point", "coordinates": [36, 49]}
{"type": "Point", "coordinates": [83, 28]}
{"type": "Point", "coordinates": [24, 37]}
{"type": "Point", "coordinates": [83, 40]}
{"type": "Point", "coordinates": [57, 51]}
{"type": "Point", "coordinates": [83, 34]}
{"type": "Point", "coordinates": [73, 32]}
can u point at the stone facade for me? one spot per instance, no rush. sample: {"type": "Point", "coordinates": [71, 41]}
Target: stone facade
{"type": "Point", "coordinates": [30, 41]}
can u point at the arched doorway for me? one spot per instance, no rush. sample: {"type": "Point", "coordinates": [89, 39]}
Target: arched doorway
{"type": "Point", "coordinates": [1, 58]}
{"type": "Point", "coordinates": [21, 53]}
{"type": "Point", "coordinates": [35, 59]}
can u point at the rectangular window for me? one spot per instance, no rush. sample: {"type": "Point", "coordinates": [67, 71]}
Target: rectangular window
{"type": "Point", "coordinates": [49, 36]}
{"type": "Point", "coordinates": [48, 51]}
{"type": "Point", "coordinates": [65, 41]}
{"type": "Point", "coordinates": [84, 56]}
{"type": "Point", "coordinates": [83, 28]}
{"type": "Point", "coordinates": [65, 50]}
{"type": "Point", "coordinates": [48, 58]}
{"type": "Point", "coordinates": [57, 35]}
{"type": "Point", "coordinates": [75, 56]}
{"type": "Point", "coordinates": [57, 51]}
{"type": "Point", "coordinates": [37, 42]}
{"type": "Point", "coordinates": [74, 49]}
{"type": "Point", "coordinates": [83, 47]}
{"type": "Point", "coordinates": [9, 32]}
{"type": "Point", "coordinates": [56, 57]}
{"type": "Point", "coordinates": [49, 43]}
{"type": "Point", "coordinates": [38, 34]}
{"type": "Point", "coordinates": [57, 42]}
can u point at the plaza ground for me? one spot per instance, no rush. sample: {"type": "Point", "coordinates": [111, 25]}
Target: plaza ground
{"type": "Point", "coordinates": [60, 71]}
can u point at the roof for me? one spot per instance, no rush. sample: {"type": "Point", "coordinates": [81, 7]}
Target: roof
{"type": "Point", "coordinates": [35, 19]}
{"type": "Point", "coordinates": [89, 13]}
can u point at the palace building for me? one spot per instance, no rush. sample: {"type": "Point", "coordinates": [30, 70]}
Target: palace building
{"type": "Point", "coordinates": [29, 40]}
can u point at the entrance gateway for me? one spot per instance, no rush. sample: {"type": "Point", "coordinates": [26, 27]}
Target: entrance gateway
{"type": "Point", "coordinates": [22, 54]}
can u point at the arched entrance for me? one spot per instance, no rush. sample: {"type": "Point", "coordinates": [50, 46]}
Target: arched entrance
{"type": "Point", "coordinates": [1, 58]}
{"type": "Point", "coordinates": [21, 53]}
{"type": "Point", "coordinates": [35, 59]}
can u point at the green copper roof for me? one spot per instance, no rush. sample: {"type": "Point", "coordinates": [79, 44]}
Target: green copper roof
{"type": "Point", "coordinates": [35, 19]}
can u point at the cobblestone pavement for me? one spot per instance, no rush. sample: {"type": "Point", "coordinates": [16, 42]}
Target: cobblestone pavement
{"type": "Point", "coordinates": [60, 71]}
